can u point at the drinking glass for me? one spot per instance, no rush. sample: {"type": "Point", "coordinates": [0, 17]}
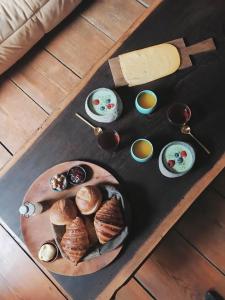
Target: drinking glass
{"type": "Point", "coordinates": [108, 140]}
{"type": "Point", "coordinates": [179, 114]}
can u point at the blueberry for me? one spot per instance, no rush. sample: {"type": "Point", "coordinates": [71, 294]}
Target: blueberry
{"type": "Point", "coordinates": [176, 154]}
{"type": "Point", "coordinates": [180, 160]}
{"type": "Point", "coordinates": [108, 101]}
{"type": "Point", "coordinates": [102, 107]}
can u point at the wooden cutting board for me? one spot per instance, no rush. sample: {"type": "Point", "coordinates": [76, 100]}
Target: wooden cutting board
{"type": "Point", "coordinates": [184, 51]}
{"type": "Point", "coordinates": [37, 230]}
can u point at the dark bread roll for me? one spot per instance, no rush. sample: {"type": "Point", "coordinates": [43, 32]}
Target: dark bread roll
{"type": "Point", "coordinates": [63, 212]}
{"type": "Point", "coordinates": [109, 220]}
{"type": "Point", "coordinates": [75, 242]}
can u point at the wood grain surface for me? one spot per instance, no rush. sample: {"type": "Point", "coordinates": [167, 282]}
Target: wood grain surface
{"type": "Point", "coordinates": [44, 79]}
{"type": "Point", "coordinates": [204, 226]}
{"type": "Point", "coordinates": [4, 156]}
{"type": "Point", "coordinates": [113, 17]}
{"type": "Point", "coordinates": [16, 112]}
{"type": "Point", "coordinates": [39, 191]}
{"type": "Point", "coordinates": [132, 291]}
{"type": "Point", "coordinates": [79, 51]}
{"type": "Point", "coordinates": [219, 183]}
{"type": "Point", "coordinates": [176, 271]}
{"type": "Point", "coordinates": [20, 278]}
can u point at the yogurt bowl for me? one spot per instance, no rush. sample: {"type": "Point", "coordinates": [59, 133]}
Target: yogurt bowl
{"type": "Point", "coordinates": [103, 105]}
{"type": "Point", "coordinates": [176, 159]}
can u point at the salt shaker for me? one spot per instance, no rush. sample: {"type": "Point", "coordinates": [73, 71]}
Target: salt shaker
{"type": "Point", "coordinates": [29, 209]}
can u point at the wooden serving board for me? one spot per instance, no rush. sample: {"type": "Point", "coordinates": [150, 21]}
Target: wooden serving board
{"type": "Point", "coordinates": [184, 51]}
{"type": "Point", "coordinates": [37, 230]}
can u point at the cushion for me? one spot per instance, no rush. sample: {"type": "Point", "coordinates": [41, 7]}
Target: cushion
{"type": "Point", "coordinates": [24, 22]}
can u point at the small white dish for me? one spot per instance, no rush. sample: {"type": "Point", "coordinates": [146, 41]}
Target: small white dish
{"type": "Point", "coordinates": [180, 163]}
{"type": "Point", "coordinates": [103, 105]}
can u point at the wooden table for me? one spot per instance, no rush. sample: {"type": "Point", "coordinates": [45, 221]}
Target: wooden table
{"type": "Point", "coordinates": [157, 202]}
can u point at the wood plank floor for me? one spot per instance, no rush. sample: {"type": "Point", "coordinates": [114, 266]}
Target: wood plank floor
{"type": "Point", "coordinates": [20, 278]}
{"type": "Point", "coordinates": [190, 260]}
{"type": "Point", "coordinates": [35, 87]}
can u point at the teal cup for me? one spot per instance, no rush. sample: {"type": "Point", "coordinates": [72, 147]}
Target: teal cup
{"type": "Point", "coordinates": [141, 150]}
{"type": "Point", "coordinates": [145, 102]}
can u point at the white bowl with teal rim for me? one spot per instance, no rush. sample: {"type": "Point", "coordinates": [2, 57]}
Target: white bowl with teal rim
{"type": "Point", "coordinates": [146, 101]}
{"type": "Point", "coordinates": [176, 159]}
{"type": "Point", "coordinates": [103, 105]}
{"type": "Point", "coordinates": [141, 150]}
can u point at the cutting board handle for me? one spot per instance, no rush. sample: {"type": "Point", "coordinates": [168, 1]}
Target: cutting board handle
{"type": "Point", "coordinates": [203, 46]}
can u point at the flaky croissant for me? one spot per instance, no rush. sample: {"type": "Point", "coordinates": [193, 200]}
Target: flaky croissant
{"type": "Point", "coordinates": [75, 241]}
{"type": "Point", "coordinates": [108, 220]}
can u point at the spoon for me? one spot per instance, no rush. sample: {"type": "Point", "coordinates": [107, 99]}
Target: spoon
{"type": "Point", "coordinates": [97, 130]}
{"type": "Point", "coordinates": [187, 130]}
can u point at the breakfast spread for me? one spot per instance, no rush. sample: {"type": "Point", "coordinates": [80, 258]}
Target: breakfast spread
{"type": "Point", "coordinates": [89, 220]}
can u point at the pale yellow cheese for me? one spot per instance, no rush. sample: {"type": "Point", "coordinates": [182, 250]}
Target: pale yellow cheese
{"type": "Point", "coordinates": [148, 64]}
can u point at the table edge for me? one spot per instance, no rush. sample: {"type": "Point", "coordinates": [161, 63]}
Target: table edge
{"type": "Point", "coordinates": [75, 91]}
{"type": "Point", "coordinates": [161, 230]}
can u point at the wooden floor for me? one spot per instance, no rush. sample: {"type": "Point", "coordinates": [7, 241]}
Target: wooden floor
{"type": "Point", "coordinates": [39, 82]}
{"type": "Point", "coordinates": [190, 260]}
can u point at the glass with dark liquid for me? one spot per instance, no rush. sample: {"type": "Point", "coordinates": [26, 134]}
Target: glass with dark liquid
{"type": "Point", "coordinates": [179, 114]}
{"type": "Point", "coordinates": [108, 140]}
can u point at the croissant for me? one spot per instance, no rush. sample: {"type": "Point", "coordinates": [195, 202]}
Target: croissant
{"type": "Point", "coordinates": [108, 220]}
{"type": "Point", "coordinates": [75, 241]}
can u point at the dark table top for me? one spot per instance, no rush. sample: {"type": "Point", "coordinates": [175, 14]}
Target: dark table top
{"type": "Point", "coordinates": [151, 195]}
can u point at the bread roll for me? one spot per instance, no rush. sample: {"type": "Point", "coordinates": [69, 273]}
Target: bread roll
{"type": "Point", "coordinates": [63, 212]}
{"type": "Point", "coordinates": [88, 199]}
{"type": "Point", "coordinates": [75, 241]}
{"type": "Point", "coordinates": [108, 220]}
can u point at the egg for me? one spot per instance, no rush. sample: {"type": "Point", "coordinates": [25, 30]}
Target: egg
{"type": "Point", "coordinates": [47, 252]}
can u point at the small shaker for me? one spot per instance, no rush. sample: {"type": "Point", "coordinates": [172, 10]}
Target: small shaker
{"type": "Point", "coordinates": [29, 209]}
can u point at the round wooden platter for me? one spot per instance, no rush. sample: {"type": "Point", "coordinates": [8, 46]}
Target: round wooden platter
{"type": "Point", "coordinates": [37, 230]}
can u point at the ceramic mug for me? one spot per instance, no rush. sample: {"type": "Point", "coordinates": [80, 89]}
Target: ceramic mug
{"type": "Point", "coordinates": [141, 150]}
{"type": "Point", "coordinates": [146, 101]}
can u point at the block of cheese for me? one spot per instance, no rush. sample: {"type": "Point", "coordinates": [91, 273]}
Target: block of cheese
{"type": "Point", "coordinates": [148, 64]}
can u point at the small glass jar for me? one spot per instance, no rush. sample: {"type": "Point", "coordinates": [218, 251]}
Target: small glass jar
{"type": "Point", "coordinates": [29, 209]}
